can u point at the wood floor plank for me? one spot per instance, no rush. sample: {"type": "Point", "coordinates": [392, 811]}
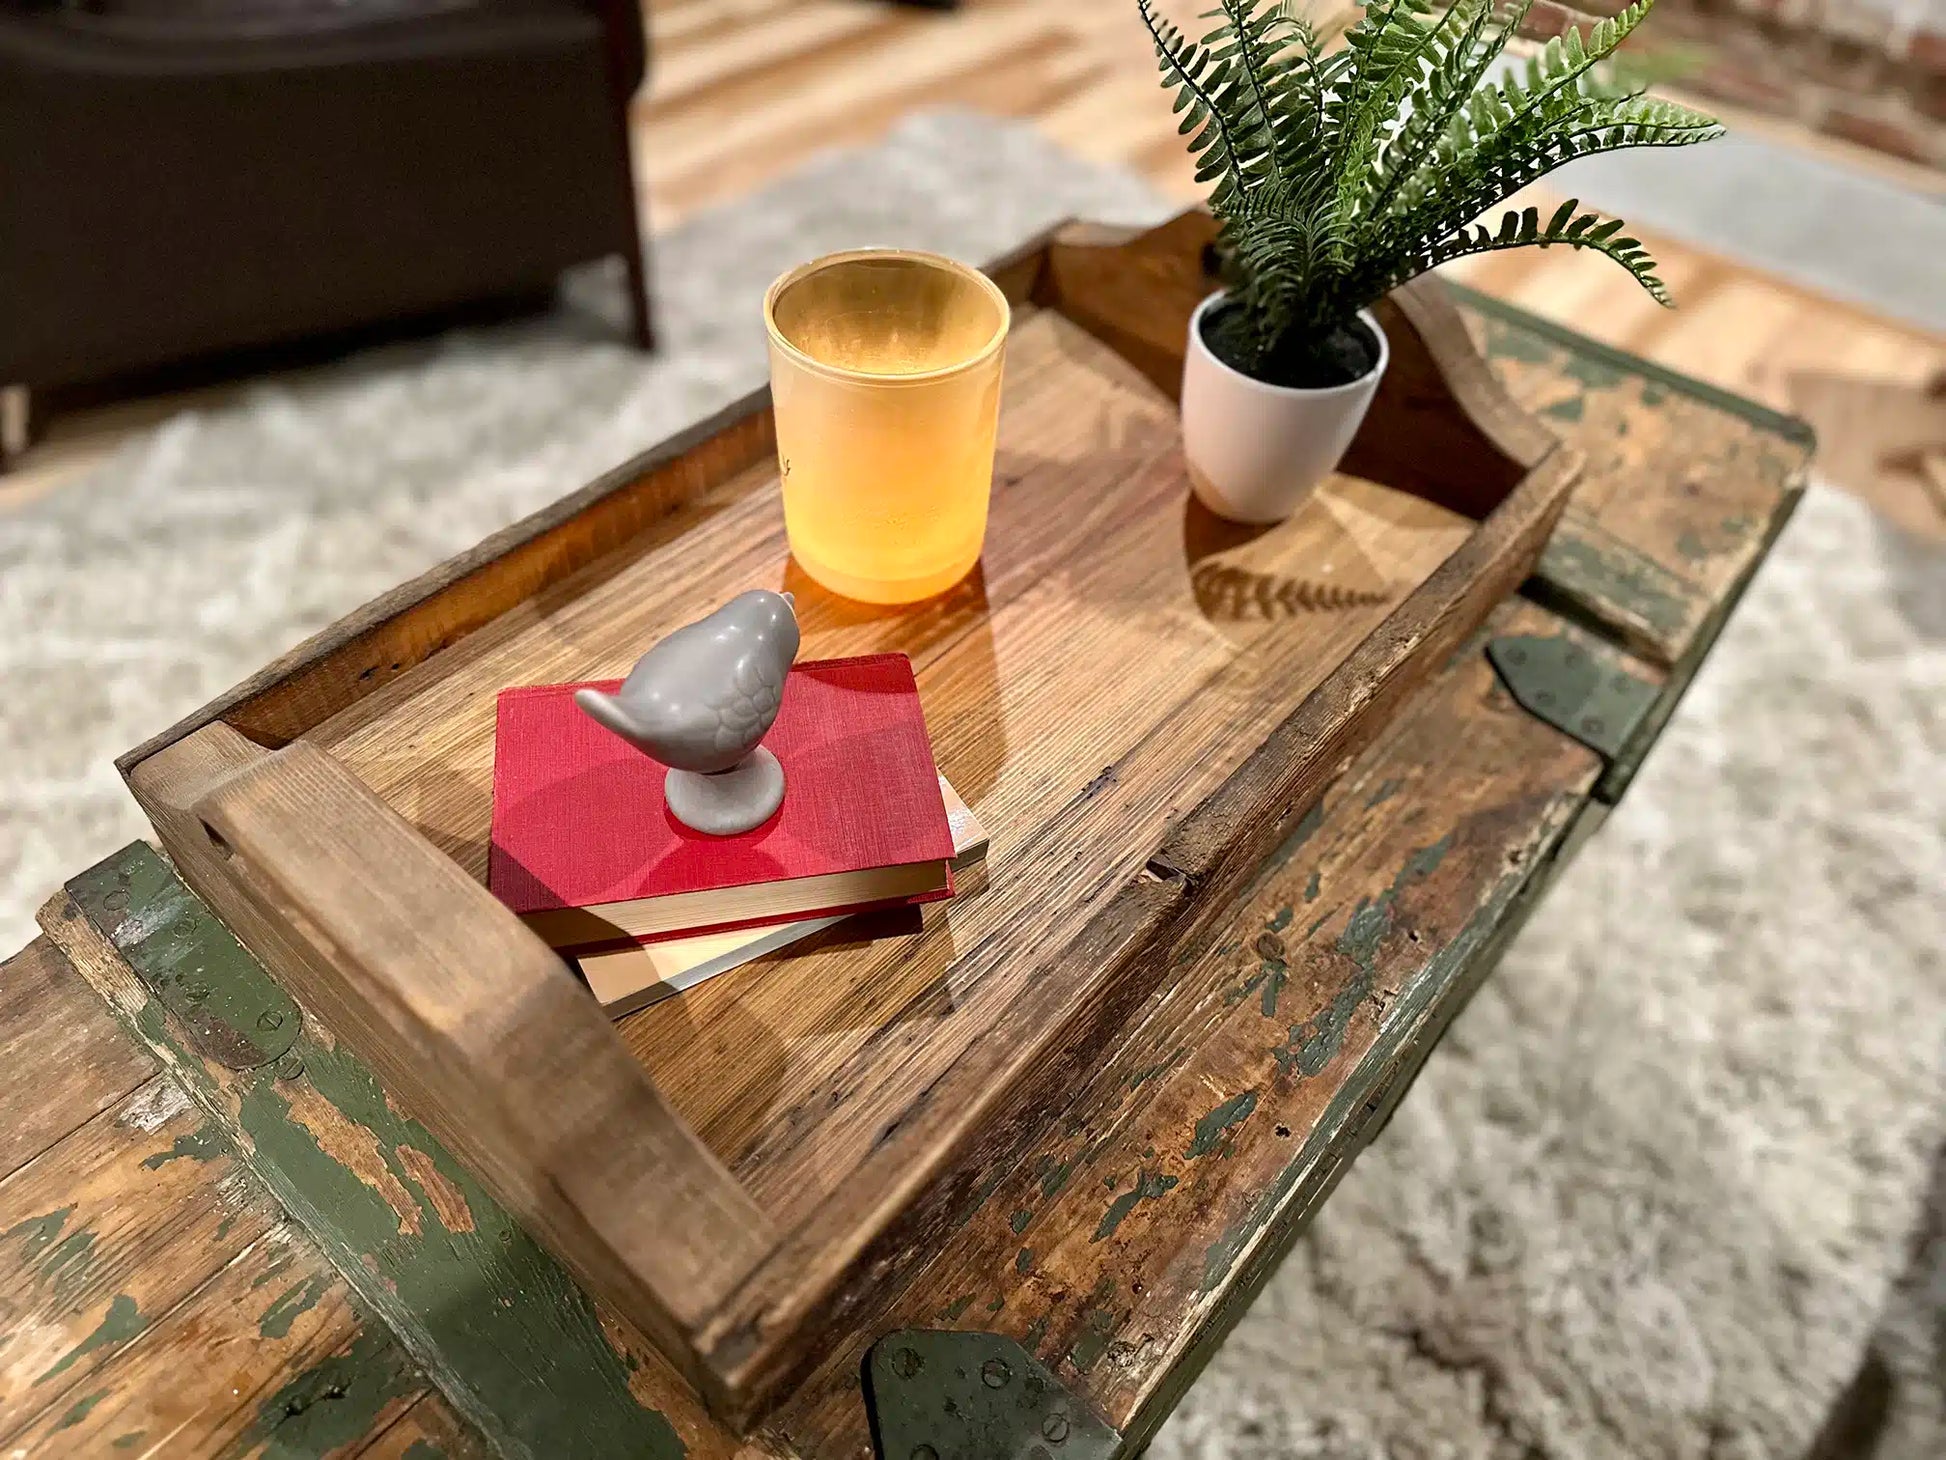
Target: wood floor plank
{"type": "Point", "coordinates": [63, 1058]}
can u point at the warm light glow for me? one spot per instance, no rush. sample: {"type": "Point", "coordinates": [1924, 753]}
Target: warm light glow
{"type": "Point", "coordinates": [885, 378]}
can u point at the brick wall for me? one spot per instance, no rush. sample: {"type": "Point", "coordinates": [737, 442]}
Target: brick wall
{"type": "Point", "coordinates": [1870, 71]}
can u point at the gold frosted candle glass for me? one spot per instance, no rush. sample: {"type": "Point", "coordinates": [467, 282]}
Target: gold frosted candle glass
{"type": "Point", "coordinates": [885, 379]}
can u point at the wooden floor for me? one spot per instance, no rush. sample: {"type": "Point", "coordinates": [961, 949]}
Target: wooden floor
{"type": "Point", "coordinates": [742, 90]}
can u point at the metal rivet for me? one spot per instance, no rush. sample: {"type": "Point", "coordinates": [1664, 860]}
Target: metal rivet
{"type": "Point", "coordinates": [994, 1374]}
{"type": "Point", "coordinates": [289, 1067]}
{"type": "Point", "coordinates": [1054, 1428]}
{"type": "Point", "coordinates": [115, 899]}
{"type": "Point", "coordinates": [270, 1019]}
{"type": "Point", "coordinates": [925, 1452]}
{"type": "Point", "coordinates": [197, 992]}
{"type": "Point", "coordinates": [906, 1362]}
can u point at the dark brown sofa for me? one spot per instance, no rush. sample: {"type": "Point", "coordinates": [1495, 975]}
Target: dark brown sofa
{"type": "Point", "coordinates": [181, 177]}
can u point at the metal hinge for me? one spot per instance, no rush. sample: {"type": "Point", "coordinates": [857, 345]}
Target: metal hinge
{"type": "Point", "coordinates": [232, 1011]}
{"type": "Point", "coordinates": [974, 1396]}
{"type": "Point", "coordinates": [1588, 697]}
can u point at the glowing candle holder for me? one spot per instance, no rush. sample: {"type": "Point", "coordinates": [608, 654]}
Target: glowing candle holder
{"type": "Point", "coordinates": [885, 380]}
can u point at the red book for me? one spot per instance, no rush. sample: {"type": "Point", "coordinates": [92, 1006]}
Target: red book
{"type": "Point", "coordinates": [585, 850]}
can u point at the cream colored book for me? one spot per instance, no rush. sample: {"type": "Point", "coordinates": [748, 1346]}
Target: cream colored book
{"type": "Point", "coordinates": [627, 979]}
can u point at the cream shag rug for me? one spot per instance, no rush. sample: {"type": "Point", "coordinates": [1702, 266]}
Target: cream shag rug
{"type": "Point", "coordinates": [1656, 1194]}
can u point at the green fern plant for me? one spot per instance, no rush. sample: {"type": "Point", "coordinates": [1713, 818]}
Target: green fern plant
{"type": "Point", "coordinates": [1339, 176]}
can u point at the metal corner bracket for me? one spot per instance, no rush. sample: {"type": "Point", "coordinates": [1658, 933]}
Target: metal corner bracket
{"type": "Point", "coordinates": [1585, 695]}
{"type": "Point", "coordinates": [934, 1395]}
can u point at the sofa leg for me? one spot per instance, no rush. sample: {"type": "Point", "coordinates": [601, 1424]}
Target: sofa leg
{"type": "Point", "coordinates": [16, 424]}
{"type": "Point", "coordinates": [641, 317]}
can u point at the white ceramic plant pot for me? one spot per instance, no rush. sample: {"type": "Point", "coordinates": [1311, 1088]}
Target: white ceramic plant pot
{"type": "Point", "coordinates": [1256, 451]}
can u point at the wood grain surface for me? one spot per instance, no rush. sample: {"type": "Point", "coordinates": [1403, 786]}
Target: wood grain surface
{"type": "Point", "coordinates": [62, 1059]}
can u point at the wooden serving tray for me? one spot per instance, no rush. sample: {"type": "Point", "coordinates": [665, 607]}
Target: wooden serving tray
{"type": "Point", "coordinates": [1141, 702]}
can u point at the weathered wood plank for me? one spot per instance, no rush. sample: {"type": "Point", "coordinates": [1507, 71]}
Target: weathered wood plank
{"type": "Point", "coordinates": [1207, 1136]}
{"type": "Point", "coordinates": [427, 1431]}
{"type": "Point", "coordinates": [63, 1058]}
{"type": "Point", "coordinates": [107, 1231]}
{"type": "Point", "coordinates": [1682, 491]}
{"type": "Point", "coordinates": [470, 1018]}
{"type": "Point", "coordinates": [509, 1338]}
{"type": "Point", "coordinates": [272, 1357]}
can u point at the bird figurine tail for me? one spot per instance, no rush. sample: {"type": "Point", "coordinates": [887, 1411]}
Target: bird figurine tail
{"type": "Point", "coordinates": [611, 714]}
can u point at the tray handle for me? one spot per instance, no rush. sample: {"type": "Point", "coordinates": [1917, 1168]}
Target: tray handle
{"type": "Point", "coordinates": [1442, 427]}
{"type": "Point", "coordinates": [468, 1016]}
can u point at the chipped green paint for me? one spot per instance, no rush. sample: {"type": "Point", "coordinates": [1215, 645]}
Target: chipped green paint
{"type": "Point", "coordinates": [1222, 1254]}
{"type": "Point", "coordinates": [989, 1184]}
{"type": "Point", "coordinates": [331, 1405]}
{"type": "Point", "coordinates": [1213, 1128]}
{"type": "Point", "coordinates": [1315, 1042]}
{"type": "Point", "coordinates": [38, 1232]}
{"type": "Point", "coordinates": [952, 1310]}
{"type": "Point", "coordinates": [1054, 1176]}
{"type": "Point", "coordinates": [1445, 979]}
{"type": "Point", "coordinates": [1019, 1220]}
{"type": "Point", "coordinates": [81, 1409]}
{"type": "Point", "coordinates": [128, 1441]}
{"type": "Point", "coordinates": [1245, 989]}
{"type": "Point", "coordinates": [1275, 974]}
{"type": "Point", "coordinates": [1569, 409]}
{"type": "Point", "coordinates": [231, 1009]}
{"type": "Point", "coordinates": [223, 1227]}
{"type": "Point", "coordinates": [1306, 828]}
{"type": "Point", "coordinates": [996, 1305]}
{"type": "Point", "coordinates": [293, 1303]}
{"type": "Point", "coordinates": [1516, 334]}
{"type": "Point", "coordinates": [279, 1265]}
{"type": "Point", "coordinates": [1314, 886]}
{"type": "Point", "coordinates": [423, 1450]}
{"type": "Point", "coordinates": [204, 1144]}
{"type": "Point", "coordinates": [119, 1324]}
{"type": "Point", "coordinates": [1506, 341]}
{"type": "Point", "coordinates": [1036, 1334]}
{"type": "Point", "coordinates": [1024, 1261]}
{"type": "Point", "coordinates": [1148, 1186]}
{"type": "Point", "coordinates": [520, 1351]}
{"type": "Point", "coordinates": [1594, 373]}
{"type": "Point", "coordinates": [1098, 1324]}
{"type": "Point", "coordinates": [1283, 918]}
{"type": "Point", "coordinates": [1600, 578]}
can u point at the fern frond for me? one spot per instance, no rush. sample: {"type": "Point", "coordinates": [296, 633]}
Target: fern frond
{"type": "Point", "coordinates": [1446, 89]}
{"type": "Point", "coordinates": [1206, 96]}
{"type": "Point", "coordinates": [1523, 229]}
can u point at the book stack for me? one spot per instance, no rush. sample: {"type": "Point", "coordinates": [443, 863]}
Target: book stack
{"type": "Point", "coordinates": [585, 850]}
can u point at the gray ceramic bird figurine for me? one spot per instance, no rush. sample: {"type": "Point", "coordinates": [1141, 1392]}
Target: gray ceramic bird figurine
{"type": "Point", "coordinates": [699, 702]}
